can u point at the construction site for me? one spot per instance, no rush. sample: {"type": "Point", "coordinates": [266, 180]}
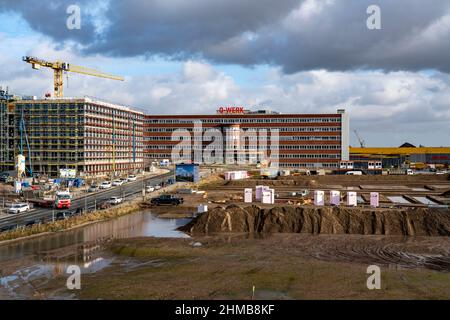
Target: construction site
{"type": "Point", "coordinates": [88, 156]}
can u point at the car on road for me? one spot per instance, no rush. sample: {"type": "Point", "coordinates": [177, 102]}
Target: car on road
{"type": "Point", "coordinates": [63, 215]}
{"type": "Point", "coordinates": [31, 223]}
{"type": "Point", "coordinates": [93, 188]}
{"type": "Point", "coordinates": [132, 177]}
{"type": "Point", "coordinates": [116, 183]}
{"type": "Point", "coordinates": [167, 199]}
{"type": "Point", "coordinates": [19, 208]}
{"type": "Point", "coordinates": [4, 176]}
{"type": "Point", "coordinates": [8, 228]}
{"type": "Point", "coordinates": [149, 189]}
{"type": "Point", "coordinates": [115, 200]}
{"type": "Point", "coordinates": [106, 185]}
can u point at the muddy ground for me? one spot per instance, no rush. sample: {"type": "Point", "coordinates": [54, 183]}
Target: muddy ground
{"type": "Point", "coordinates": [280, 266]}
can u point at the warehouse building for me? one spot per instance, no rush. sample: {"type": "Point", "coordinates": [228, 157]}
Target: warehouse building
{"type": "Point", "coordinates": [304, 140]}
{"type": "Point", "coordinates": [93, 137]}
{"type": "Point", "coordinates": [407, 155]}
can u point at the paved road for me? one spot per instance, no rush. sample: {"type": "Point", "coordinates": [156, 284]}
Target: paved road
{"type": "Point", "coordinates": [89, 201]}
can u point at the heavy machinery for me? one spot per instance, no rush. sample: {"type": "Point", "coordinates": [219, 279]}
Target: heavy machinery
{"type": "Point", "coordinates": [61, 67]}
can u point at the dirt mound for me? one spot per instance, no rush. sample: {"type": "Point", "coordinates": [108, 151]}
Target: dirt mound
{"type": "Point", "coordinates": [326, 220]}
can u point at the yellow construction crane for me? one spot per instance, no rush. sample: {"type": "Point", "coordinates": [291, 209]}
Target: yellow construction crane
{"type": "Point", "coordinates": [61, 67]}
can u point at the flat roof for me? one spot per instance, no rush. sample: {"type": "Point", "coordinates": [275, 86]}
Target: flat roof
{"type": "Point", "coordinates": [399, 151]}
{"type": "Point", "coordinates": [248, 115]}
{"type": "Point", "coordinates": [79, 100]}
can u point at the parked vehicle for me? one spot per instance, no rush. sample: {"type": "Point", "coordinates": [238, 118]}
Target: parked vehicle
{"type": "Point", "coordinates": [303, 192]}
{"type": "Point", "coordinates": [116, 183]}
{"type": "Point", "coordinates": [132, 177]}
{"type": "Point", "coordinates": [164, 163]}
{"type": "Point", "coordinates": [19, 208]}
{"type": "Point", "coordinates": [106, 185]}
{"type": "Point", "coordinates": [149, 189]}
{"type": "Point", "coordinates": [354, 173]}
{"type": "Point", "coordinates": [409, 172]}
{"type": "Point", "coordinates": [167, 199]}
{"type": "Point", "coordinates": [115, 200]}
{"type": "Point", "coordinates": [157, 187]}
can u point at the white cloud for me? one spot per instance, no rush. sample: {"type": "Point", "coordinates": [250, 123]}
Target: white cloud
{"type": "Point", "coordinates": [386, 108]}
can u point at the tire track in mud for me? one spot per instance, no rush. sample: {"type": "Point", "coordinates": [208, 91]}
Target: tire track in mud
{"type": "Point", "coordinates": [430, 254]}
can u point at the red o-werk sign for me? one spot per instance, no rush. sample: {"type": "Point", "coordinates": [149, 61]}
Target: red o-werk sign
{"type": "Point", "coordinates": [231, 110]}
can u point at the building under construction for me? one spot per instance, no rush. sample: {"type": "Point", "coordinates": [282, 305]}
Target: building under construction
{"type": "Point", "coordinates": [93, 137]}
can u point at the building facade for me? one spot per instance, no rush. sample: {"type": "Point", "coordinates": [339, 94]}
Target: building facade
{"type": "Point", "coordinates": [304, 140]}
{"type": "Point", "coordinates": [93, 137]}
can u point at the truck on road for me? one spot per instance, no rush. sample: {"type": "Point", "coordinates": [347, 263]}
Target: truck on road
{"type": "Point", "coordinates": [62, 200]}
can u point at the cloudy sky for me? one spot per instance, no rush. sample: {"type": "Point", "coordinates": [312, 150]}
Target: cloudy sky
{"type": "Point", "coordinates": [300, 56]}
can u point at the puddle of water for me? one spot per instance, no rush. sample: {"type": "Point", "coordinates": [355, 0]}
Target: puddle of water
{"type": "Point", "coordinates": [163, 228]}
{"type": "Point", "coordinates": [424, 200]}
{"type": "Point", "coordinates": [44, 258]}
{"type": "Point", "coordinates": [398, 199]}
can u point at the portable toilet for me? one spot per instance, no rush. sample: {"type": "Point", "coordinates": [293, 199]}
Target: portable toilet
{"type": "Point", "coordinates": [374, 199]}
{"type": "Point", "coordinates": [335, 198]}
{"type": "Point", "coordinates": [319, 198]}
{"type": "Point", "coordinates": [352, 199]}
{"type": "Point", "coordinates": [248, 195]}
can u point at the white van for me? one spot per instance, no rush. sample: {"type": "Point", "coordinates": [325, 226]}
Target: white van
{"type": "Point", "coordinates": [164, 163]}
{"type": "Point", "coordinates": [354, 173]}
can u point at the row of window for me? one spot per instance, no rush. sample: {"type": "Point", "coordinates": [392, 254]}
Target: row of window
{"type": "Point", "coordinates": [308, 165]}
{"type": "Point", "coordinates": [281, 129]}
{"type": "Point", "coordinates": [246, 120]}
{"type": "Point", "coordinates": [309, 156]}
